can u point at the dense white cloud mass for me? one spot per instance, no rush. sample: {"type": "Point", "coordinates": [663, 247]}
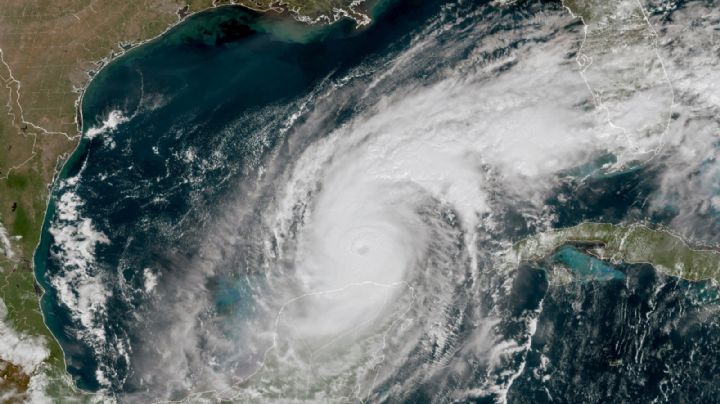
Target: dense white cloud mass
{"type": "Point", "coordinates": [372, 237]}
{"type": "Point", "coordinates": [5, 243]}
{"type": "Point", "coordinates": [363, 248]}
{"type": "Point", "coordinates": [28, 352]}
{"type": "Point", "coordinates": [690, 43]}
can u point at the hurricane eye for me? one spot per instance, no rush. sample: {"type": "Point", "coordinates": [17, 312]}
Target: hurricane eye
{"type": "Point", "coordinates": [364, 201]}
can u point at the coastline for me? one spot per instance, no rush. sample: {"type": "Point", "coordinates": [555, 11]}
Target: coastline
{"type": "Point", "coordinates": [67, 161]}
{"type": "Point", "coordinates": [63, 167]}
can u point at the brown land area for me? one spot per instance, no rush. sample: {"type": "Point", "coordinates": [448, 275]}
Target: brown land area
{"type": "Point", "coordinates": [47, 50]}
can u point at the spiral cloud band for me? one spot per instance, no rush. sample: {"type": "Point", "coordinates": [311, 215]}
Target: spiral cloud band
{"type": "Point", "coordinates": [356, 254]}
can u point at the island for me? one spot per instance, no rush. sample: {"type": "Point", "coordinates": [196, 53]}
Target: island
{"type": "Point", "coordinates": [631, 244]}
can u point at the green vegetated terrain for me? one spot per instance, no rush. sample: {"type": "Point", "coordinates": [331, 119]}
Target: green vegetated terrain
{"type": "Point", "coordinates": [48, 54]}
{"type": "Point", "coordinates": [631, 244]}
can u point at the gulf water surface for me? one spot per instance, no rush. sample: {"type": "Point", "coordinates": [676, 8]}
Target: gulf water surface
{"type": "Point", "coordinates": [261, 210]}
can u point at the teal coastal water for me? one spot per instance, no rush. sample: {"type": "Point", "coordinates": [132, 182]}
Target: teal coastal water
{"type": "Point", "coordinates": [585, 266]}
{"type": "Point", "coordinates": [194, 109]}
{"type": "Point", "coordinates": [154, 262]}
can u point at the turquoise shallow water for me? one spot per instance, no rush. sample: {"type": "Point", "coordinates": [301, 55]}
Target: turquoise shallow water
{"type": "Point", "coordinates": [210, 115]}
{"type": "Point", "coordinates": [203, 105]}
{"type": "Point", "coordinates": [586, 266]}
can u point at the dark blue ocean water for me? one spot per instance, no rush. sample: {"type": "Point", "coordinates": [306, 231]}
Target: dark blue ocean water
{"type": "Point", "coordinates": [204, 104]}
{"type": "Point", "coordinates": [211, 99]}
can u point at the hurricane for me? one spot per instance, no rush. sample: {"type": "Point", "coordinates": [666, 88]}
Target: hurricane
{"type": "Point", "coordinates": [323, 227]}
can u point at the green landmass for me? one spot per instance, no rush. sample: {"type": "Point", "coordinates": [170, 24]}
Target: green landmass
{"type": "Point", "coordinates": [49, 51]}
{"type": "Point", "coordinates": [632, 244]}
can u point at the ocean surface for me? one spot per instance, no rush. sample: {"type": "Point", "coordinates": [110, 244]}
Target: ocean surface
{"type": "Point", "coordinates": [226, 229]}
{"type": "Point", "coordinates": [203, 104]}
